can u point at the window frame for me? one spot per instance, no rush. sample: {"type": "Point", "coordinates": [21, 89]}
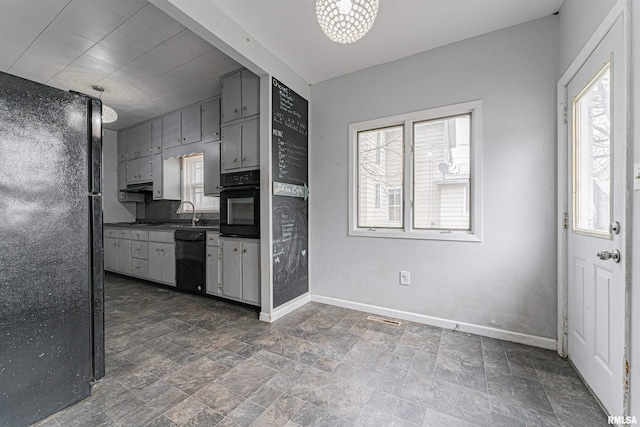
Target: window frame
{"type": "Point", "coordinates": [184, 188]}
{"type": "Point", "coordinates": [474, 234]}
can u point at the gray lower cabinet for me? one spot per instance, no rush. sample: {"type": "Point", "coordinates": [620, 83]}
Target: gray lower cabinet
{"type": "Point", "coordinates": [214, 259]}
{"type": "Point", "coordinates": [110, 249]}
{"type": "Point", "coordinates": [241, 269]}
{"type": "Point", "coordinates": [162, 257]}
{"type": "Point", "coordinates": [124, 251]}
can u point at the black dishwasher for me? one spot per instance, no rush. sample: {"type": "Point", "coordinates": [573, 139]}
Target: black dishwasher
{"type": "Point", "coordinates": [191, 261]}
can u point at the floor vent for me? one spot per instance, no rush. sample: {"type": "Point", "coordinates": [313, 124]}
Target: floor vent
{"type": "Point", "coordinates": [383, 320]}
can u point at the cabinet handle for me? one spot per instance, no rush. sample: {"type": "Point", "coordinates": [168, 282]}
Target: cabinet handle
{"type": "Point", "coordinates": [235, 110]}
{"type": "Point", "coordinates": [209, 255]}
{"type": "Point", "coordinates": [244, 251]}
{"type": "Point", "coordinates": [235, 160]}
{"type": "Point", "coordinates": [235, 249]}
{"type": "Point", "coordinates": [244, 159]}
{"type": "Point", "coordinates": [178, 140]}
{"type": "Point", "coordinates": [244, 108]}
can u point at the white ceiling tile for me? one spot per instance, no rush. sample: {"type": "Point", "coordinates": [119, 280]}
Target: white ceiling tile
{"type": "Point", "coordinates": [103, 19]}
{"type": "Point", "coordinates": [82, 74]}
{"type": "Point", "coordinates": [221, 62]}
{"type": "Point", "coordinates": [182, 47]}
{"type": "Point", "coordinates": [116, 56]}
{"type": "Point", "coordinates": [125, 7]}
{"type": "Point", "coordinates": [39, 75]}
{"type": "Point", "coordinates": [151, 65]}
{"type": "Point", "coordinates": [63, 41]}
{"type": "Point", "coordinates": [156, 21]}
{"type": "Point", "coordinates": [131, 33]}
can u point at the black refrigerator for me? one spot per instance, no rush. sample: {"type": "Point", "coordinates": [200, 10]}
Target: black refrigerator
{"type": "Point", "coordinates": [51, 252]}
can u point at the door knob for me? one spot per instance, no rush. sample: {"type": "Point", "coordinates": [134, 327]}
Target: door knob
{"type": "Point", "coordinates": [606, 255]}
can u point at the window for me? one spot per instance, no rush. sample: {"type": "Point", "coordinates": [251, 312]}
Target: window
{"type": "Point", "coordinates": [427, 166]}
{"type": "Point", "coordinates": [193, 186]}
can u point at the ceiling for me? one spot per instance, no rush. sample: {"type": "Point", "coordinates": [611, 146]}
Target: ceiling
{"type": "Point", "coordinates": [289, 29]}
{"type": "Point", "coordinates": [149, 64]}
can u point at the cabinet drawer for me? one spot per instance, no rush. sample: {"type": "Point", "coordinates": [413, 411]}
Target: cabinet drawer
{"type": "Point", "coordinates": [124, 234]}
{"type": "Point", "coordinates": [111, 232]}
{"type": "Point", "coordinates": [140, 250]}
{"type": "Point", "coordinates": [140, 268]}
{"type": "Point", "coordinates": [139, 235]}
{"type": "Point", "coordinates": [213, 238]}
{"type": "Point", "coordinates": [161, 236]}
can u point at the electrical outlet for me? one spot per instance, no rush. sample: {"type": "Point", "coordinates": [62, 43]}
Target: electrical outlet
{"type": "Point", "coordinates": [405, 278]}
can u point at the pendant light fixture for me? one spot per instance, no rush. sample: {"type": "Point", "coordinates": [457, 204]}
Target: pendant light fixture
{"type": "Point", "coordinates": [109, 115]}
{"type": "Point", "coordinates": [346, 21]}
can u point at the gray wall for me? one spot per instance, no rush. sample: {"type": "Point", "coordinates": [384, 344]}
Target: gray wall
{"type": "Point", "coordinates": [508, 281]}
{"type": "Point", "coordinates": [114, 211]}
{"type": "Point", "coordinates": [578, 20]}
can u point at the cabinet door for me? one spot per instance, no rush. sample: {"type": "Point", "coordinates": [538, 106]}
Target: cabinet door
{"type": "Point", "coordinates": [110, 254]}
{"type": "Point", "coordinates": [232, 269]}
{"type": "Point", "coordinates": [156, 136]}
{"type": "Point", "coordinates": [132, 171]}
{"type": "Point", "coordinates": [144, 169]}
{"type": "Point", "coordinates": [250, 94]}
{"type": "Point", "coordinates": [144, 140]}
{"type": "Point", "coordinates": [122, 145]}
{"type": "Point", "coordinates": [139, 249]}
{"type": "Point", "coordinates": [213, 270]}
{"type": "Point", "coordinates": [211, 120]}
{"type": "Point", "coordinates": [231, 150]}
{"type": "Point", "coordinates": [231, 97]}
{"type": "Point", "coordinates": [122, 175]}
{"type": "Point", "coordinates": [155, 261]}
{"type": "Point", "coordinates": [212, 169]}
{"type": "Point", "coordinates": [124, 256]}
{"type": "Point", "coordinates": [250, 144]}
{"type": "Point", "coordinates": [251, 272]}
{"type": "Point", "coordinates": [169, 263]}
{"type": "Point", "coordinates": [132, 143]}
{"type": "Point", "coordinates": [156, 172]}
{"type": "Point", "coordinates": [191, 125]}
{"type": "Point", "coordinates": [171, 132]}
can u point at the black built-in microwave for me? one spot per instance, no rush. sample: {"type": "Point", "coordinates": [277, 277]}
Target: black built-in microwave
{"type": "Point", "coordinates": [240, 204]}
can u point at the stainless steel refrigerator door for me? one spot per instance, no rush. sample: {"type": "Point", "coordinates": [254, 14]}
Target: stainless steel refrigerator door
{"type": "Point", "coordinates": [45, 271]}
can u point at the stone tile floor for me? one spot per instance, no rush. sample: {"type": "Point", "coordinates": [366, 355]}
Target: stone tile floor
{"type": "Point", "coordinates": [181, 360]}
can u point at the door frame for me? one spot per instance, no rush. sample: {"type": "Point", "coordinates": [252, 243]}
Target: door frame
{"type": "Point", "coordinates": [620, 10]}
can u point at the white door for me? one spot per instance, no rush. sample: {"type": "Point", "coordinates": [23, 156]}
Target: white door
{"type": "Point", "coordinates": [595, 250]}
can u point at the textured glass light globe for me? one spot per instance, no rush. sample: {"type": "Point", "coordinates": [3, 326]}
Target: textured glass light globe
{"type": "Point", "coordinates": [345, 21]}
{"type": "Point", "coordinates": [109, 115]}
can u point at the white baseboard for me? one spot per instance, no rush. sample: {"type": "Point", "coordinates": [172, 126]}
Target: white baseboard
{"type": "Point", "coordinates": [517, 337]}
{"type": "Point", "coordinates": [285, 309]}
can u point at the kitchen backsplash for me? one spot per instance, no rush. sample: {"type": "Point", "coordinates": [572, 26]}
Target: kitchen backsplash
{"type": "Point", "coordinates": [165, 210]}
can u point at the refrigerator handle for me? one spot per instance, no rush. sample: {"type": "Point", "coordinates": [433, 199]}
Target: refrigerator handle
{"type": "Point", "coordinates": [94, 127]}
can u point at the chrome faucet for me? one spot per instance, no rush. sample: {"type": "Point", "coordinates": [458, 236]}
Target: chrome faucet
{"type": "Point", "coordinates": [193, 218]}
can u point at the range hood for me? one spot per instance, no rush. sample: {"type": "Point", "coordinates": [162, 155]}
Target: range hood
{"type": "Point", "coordinates": [143, 187]}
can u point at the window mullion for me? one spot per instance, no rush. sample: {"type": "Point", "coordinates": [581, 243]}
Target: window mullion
{"type": "Point", "coordinates": [407, 190]}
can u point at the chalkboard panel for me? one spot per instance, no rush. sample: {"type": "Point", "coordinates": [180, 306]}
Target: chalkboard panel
{"type": "Point", "coordinates": [290, 141]}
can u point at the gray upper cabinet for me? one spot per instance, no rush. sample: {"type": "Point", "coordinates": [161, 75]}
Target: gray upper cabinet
{"type": "Point", "coordinates": [156, 136]}
{"type": "Point", "coordinates": [241, 146]}
{"type": "Point", "coordinates": [191, 125]}
{"type": "Point", "coordinates": [250, 94]}
{"type": "Point", "coordinates": [182, 127]}
{"type": "Point", "coordinates": [132, 143]}
{"type": "Point", "coordinates": [144, 139]}
{"type": "Point", "coordinates": [211, 120]}
{"type": "Point", "coordinates": [171, 130]}
{"type": "Point", "coordinates": [212, 169]}
{"type": "Point", "coordinates": [232, 97]}
{"type": "Point", "coordinates": [240, 96]}
{"type": "Point", "coordinates": [122, 146]}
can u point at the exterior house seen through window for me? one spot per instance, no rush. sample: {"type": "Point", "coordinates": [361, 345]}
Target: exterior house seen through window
{"type": "Point", "coordinates": [423, 170]}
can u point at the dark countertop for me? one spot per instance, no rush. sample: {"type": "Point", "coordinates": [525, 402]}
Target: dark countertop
{"type": "Point", "coordinates": [163, 226]}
